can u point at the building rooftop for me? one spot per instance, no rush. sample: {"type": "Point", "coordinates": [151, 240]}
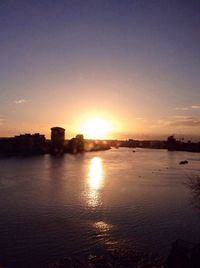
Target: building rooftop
{"type": "Point", "coordinates": [57, 128]}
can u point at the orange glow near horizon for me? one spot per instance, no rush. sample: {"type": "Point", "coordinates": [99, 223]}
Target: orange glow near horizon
{"type": "Point", "coordinates": [96, 128]}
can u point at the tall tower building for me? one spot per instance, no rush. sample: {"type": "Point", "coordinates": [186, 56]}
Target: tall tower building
{"type": "Point", "coordinates": [57, 140]}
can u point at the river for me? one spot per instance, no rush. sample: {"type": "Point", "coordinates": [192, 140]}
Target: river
{"type": "Point", "coordinates": [90, 203]}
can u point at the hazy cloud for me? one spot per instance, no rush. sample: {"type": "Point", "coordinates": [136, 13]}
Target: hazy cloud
{"type": "Point", "coordinates": [182, 108]}
{"type": "Point", "coordinates": [182, 117]}
{"type": "Point", "coordinates": [177, 121]}
{"type": "Point", "coordinates": [195, 106]}
{"type": "Point", "coordinates": [1, 120]}
{"type": "Point", "coordinates": [187, 121]}
{"type": "Point", "coordinates": [159, 123]}
{"type": "Point", "coordinates": [141, 119]}
{"type": "Point", "coordinates": [186, 108]}
{"type": "Point", "coordinates": [20, 101]}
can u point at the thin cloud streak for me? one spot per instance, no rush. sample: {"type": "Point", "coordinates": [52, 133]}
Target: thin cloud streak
{"type": "Point", "coordinates": [183, 121]}
{"type": "Point", "coordinates": [195, 106]}
{"type": "Point", "coordinates": [187, 108]}
{"type": "Point", "coordinates": [186, 123]}
{"type": "Point", "coordinates": [182, 108]}
{"type": "Point", "coordinates": [20, 101]}
{"type": "Point", "coordinates": [182, 117]}
{"type": "Point", "coordinates": [177, 121]}
{"type": "Point", "coordinates": [2, 119]}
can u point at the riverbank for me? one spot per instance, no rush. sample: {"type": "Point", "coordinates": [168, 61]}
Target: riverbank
{"type": "Point", "coordinates": [118, 258]}
{"type": "Point", "coordinates": [183, 254]}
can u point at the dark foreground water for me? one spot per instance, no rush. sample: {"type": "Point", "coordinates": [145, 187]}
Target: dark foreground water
{"type": "Point", "coordinates": [54, 207]}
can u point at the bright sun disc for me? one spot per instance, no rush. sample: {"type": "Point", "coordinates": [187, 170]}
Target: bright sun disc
{"type": "Point", "coordinates": [96, 128]}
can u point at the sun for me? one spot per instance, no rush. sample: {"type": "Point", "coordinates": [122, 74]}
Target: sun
{"type": "Point", "coordinates": [96, 128]}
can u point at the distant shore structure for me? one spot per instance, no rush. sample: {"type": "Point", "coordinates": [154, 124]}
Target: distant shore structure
{"type": "Point", "coordinates": [57, 140]}
{"type": "Point", "coordinates": [36, 144]}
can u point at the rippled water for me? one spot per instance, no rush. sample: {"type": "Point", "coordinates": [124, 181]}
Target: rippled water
{"type": "Point", "coordinates": [53, 207]}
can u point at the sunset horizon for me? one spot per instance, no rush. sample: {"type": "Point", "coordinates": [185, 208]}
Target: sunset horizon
{"type": "Point", "coordinates": [99, 133]}
{"type": "Point", "coordinates": [65, 63]}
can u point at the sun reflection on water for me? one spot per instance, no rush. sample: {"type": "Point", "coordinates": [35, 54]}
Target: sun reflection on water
{"type": "Point", "coordinates": [104, 234]}
{"type": "Point", "coordinates": [96, 173]}
{"type": "Point", "coordinates": [102, 226]}
{"type": "Point", "coordinates": [95, 182]}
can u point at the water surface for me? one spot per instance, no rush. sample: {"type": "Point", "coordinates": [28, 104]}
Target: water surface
{"type": "Point", "coordinates": [74, 205]}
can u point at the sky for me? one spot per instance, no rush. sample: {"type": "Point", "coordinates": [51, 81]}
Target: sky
{"type": "Point", "coordinates": [133, 63]}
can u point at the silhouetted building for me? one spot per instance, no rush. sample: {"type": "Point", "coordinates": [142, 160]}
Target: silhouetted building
{"type": "Point", "coordinates": [130, 143]}
{"type": "Point", "coordinates": [29, 144]}
{"type": "Point", "coordinates": [173, 144]}
{"type": "Point", "coordinates": [6, 146]}
{"type": "Point", "coordinates": [80, 143]}
{"type": "Point", "coordinates": [76, 145]}
{"type": "Point", "coordinates": [24, 144]}
{"type": "Point", "coordinates": [57, 140]}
